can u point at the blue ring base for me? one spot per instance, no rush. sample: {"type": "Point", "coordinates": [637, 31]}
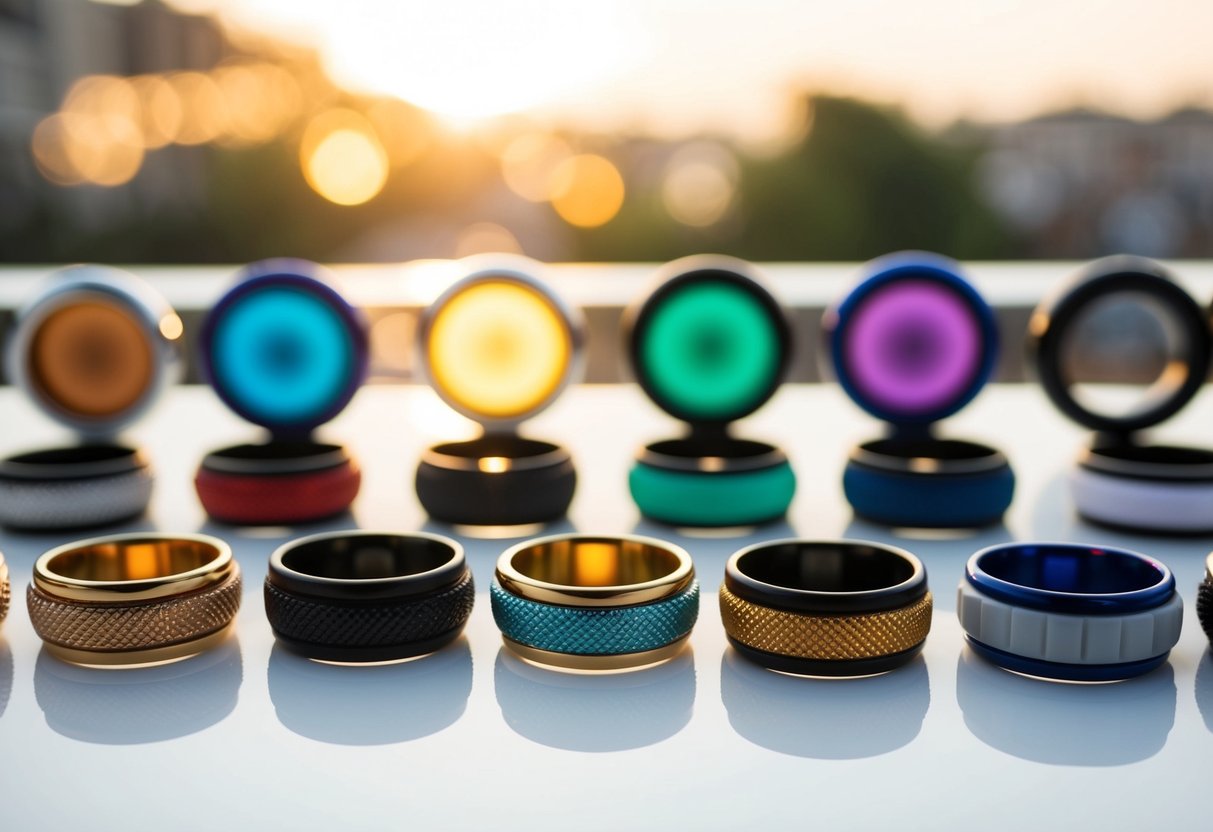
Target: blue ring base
{"type": "Point", "coordinates": [1066, 672]}
{"type": "Point", "coordinates": [929, 500]}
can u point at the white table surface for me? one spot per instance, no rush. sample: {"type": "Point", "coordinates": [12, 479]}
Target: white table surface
{"type": "Point", "coordinates": [250, 738]}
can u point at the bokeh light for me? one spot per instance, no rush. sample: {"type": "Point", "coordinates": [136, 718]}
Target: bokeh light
{"type": "Point", "coordinates": [403, 129]}
{"type": "Point", "coordinates": [203, 109]}
{"type": "Point", "coordinates": [73, 148]}
{"type": "Point", "coordinates": [160, 110]}
{"type": "Point", "coordinates": [342, 157]}
{"type": "Point", "coordinates": [529, 163]}
{"type": "Point", "coordinates": [486, 238]}
{"type": "Point", "coordinates": [587, 190]}
{"type": "Point", "coordinates": [699, 184]}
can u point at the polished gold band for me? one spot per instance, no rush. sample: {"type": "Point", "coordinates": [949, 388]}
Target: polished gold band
{"type": "Point", "coordinates": [835, 637]}
{"type": "Point", "coordinates": [133, 567]}
{"type": "Point", "coordinates": [618, 661]}
{"type": "Point", "coordinates": [134, 599]}
{"type": "Point", "coordinates": [593, 571]}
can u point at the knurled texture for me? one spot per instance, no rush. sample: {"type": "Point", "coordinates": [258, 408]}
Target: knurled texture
{"type": "Point", "coordinates": [1069, 639]}
{"type": "Point", "coordinates": [91, 501]}
{"type": "Point", "coordinates": [595, 631]}
{"type": "Point", "coordinates": [825, 637]}
{"type": "Point", "coordinates": [1204, 607]}
{"type": "Point", "coordinates": [6, 591]}
{"type": "Point", "coordinates": [378, 624]}
{"type": "Point", "coordinates": [133, 626]}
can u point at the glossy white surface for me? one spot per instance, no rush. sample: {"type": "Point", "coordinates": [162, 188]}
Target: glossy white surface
{"type": "Point", "coordinates": [250, 738]}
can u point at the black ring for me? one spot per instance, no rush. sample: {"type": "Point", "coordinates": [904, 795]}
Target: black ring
{"type": "Point", "coordinates": [535, 483]}
{"type": "Point", "coordinates": [699, 269]}
{"type": "Point", "coordinates": [1204, 606]}
{"type": "Point", "coordinates": [826, 577]}
{"type": "Point", "coordinates": [1105, 277]}
{"type": "Point", "coordinates": [368, 596]}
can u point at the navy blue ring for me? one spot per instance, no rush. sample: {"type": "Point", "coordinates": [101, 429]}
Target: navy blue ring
{"type": "Point", "coordinates": [1070, 578]}
{"type": "Point", "coordinates": [1063, 671]}
{"type": "Point", "coordinates": [296, 274]}
{"type": "Point", "coordinates": [935, 500]}
{"type": "Point", "coordinates": [902, 266]}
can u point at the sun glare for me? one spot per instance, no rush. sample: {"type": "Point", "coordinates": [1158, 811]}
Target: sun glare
{"type": "Point", "coordinates": [463, 59]}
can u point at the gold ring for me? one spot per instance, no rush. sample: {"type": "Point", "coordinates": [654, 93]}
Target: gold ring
{"type": "Point", "coordinates": [589, 571]}
{"type": "Point", "coordinates": [825, 637]}
{"type": "Point", "coordinates": [134, 598]}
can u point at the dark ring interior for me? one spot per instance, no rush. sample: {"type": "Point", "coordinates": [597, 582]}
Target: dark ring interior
{"type": "Point", "coordinates": [78, 461]}
{"type": "Point", "coordinates": [1072, 569]}
{"type": "Point", "coordinates": [363, 557]}
{"type": "Point", "coordinates": [726, 447]}
{"type": "Point", "coordinates": [1165, 463]}
{"type": "Point", "coordinates": [946, 449]}
{"type": "Point", "coordinates": [826, 567]}
{"type": "Point", "coordinates": [278, 456]}
{"type": "Point", "coordinates": [507, 446]}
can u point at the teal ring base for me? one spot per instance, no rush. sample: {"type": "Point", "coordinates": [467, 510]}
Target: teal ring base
{"type": "Point", "coordinates": [712, 498]}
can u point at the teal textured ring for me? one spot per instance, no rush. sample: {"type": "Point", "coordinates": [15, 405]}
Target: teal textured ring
{"type": "Point", "coordinates": [595, 631]}
{"type": "Point", "coordinates": [712, 498]}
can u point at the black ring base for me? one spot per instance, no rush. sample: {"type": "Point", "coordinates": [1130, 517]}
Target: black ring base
{"type": "Point", "coordinates": [533, 488]}
{"type": "Point", "coordinates": [834, 668]}
{"type": "Point", "coordinates": [365, 655]}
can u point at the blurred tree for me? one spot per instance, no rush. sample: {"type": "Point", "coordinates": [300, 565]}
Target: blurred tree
{"type": "Point", "coordinates": [863, 182]}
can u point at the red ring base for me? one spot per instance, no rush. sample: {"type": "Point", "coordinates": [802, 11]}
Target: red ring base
{"type": "Point", "coordinates": [278, 499]}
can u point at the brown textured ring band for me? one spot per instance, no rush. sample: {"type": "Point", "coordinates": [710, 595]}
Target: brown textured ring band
{"type": "Point", "coordinates": [825, 638]}
{"type": "Point", "coordinates": [134, 599]}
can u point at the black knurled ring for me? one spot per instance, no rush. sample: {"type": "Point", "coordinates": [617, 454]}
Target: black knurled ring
{"type": "Point", "coordinates": [378, 630]}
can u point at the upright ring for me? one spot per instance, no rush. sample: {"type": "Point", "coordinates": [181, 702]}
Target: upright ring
{"type": "Point", "coordinates": [826, 608]}
{"type": "Point", "coordinates": [595, 602]}
{"type": "Point", "coordinates": [365, 596]}
{"type": "Point", "coordinates": [134, 598]}
{"type": "Point", "coordinates": [1068, 611]}
{"type": "Point", "coordinates": [5, 589]}
{"type": "Point", "coordinates": [1204, 600]}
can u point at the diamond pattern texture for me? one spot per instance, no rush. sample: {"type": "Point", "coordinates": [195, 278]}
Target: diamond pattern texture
{"type": "Point", "coordinates": [378, 624]}
{"type": "Point", "coordinates": [1066, 638]}
{"type": "Point", "coordinates": [1204, 607]}
{"type": "Point", "coordinates": [826, 637]}
{"type": "Point", "coordinates": [595, 631]}
{"type": "Point", "coordinates": [6, 591]}
{"type": "Point", "coordinates": [94, 501]}
{"type": "Point", "coordinates": [133, 626]}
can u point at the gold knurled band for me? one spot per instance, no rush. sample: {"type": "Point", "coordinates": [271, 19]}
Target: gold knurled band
{"type": "Point", "coordinates": [108, 628]}
{"type": "Point", "coordinates": [835, 637]}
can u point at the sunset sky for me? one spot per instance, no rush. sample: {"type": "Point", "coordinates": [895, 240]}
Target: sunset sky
{"type": "Point", "coordinates": [674, 67]}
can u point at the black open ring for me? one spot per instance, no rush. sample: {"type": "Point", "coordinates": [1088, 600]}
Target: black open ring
{"type": "Point", "coordinates": [827, 577]}
{"type": "Point", "coordinates": [368, 596]}
{"type": "Point", "coordinates": [1101, 279]}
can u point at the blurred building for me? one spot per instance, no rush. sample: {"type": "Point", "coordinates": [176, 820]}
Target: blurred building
{"type": "Point", "coordinates": [1082, 183]}
{"type": "Point", "coordinates": [46, 45]}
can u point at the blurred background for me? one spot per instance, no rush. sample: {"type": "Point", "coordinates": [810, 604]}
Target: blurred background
{"type": "Point", "coordinates": [205, 131]}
